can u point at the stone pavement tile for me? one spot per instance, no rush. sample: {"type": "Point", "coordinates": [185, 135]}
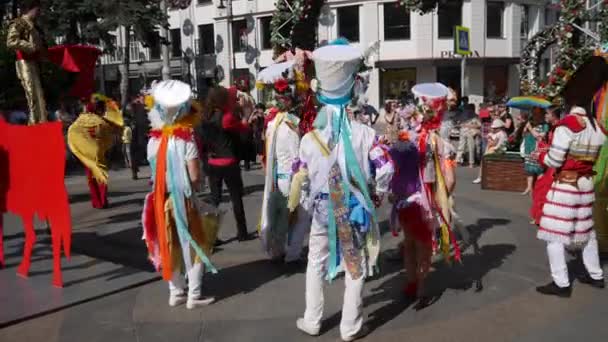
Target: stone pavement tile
{"type": "Point", "coordinates": [109, 319]}
{"type": "Point", "coordinates": [84, 278]}
{"type": "Point", "coordinates": [169, 332]}
{"type": "Point", "coordinates": [151, 306]}
{"type": "Point", "coordinates": [263, 330]}
{"type": "Point", "coordinates": [46, 328]}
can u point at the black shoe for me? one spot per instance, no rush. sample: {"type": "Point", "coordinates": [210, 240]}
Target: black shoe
{"type": "Point", "coordinates": [247, 237]}
{"type": "Point", "coordinates": [219, 242]}
{"type": "Point", "coordinates": [597, 283]}
{"type": "Point", "coordinates": [552, 289]}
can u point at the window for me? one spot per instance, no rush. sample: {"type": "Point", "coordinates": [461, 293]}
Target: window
{"type": "Point", "coordinates": [396, 22]}
{"type": "Point", "coordinates": [525, 21]}
{"type": "Point", "coordinates": [348, 23]}
{"type": "Point", "coordinates": [239, 35]}
{"type": "Point", "coordinates": [266, 32]}
{"type": "Point", "coordinates": [494, 11]}
{"type": "Point", "coordinates": [449, 15]}
{"type": "Point", "coordinates": [133, 48]}
{"type": "Point", "coordinates": [176, 43]}
{"type": "Point", "coordinates": [241, 74]}
{"type": "Point", "coordinates": [155, 45]}
{"type": "Point", "coordinates": [206, 39]}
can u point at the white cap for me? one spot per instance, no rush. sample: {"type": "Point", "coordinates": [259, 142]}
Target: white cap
{"type": "Point", "coordinates": [578, 110]}
{"type": "Point", "coordinates": [336, 66]}
{"type": "Point", "coordinates": [497, 123]}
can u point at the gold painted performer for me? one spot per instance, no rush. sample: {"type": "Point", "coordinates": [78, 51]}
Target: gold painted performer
{"type": "Point", "coordinates": [26, 39]}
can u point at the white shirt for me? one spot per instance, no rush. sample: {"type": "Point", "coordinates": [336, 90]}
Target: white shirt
{"type": "Point", "coordinates": [286, 147]}
{"type": "Point", "coordinates": [189, 148]}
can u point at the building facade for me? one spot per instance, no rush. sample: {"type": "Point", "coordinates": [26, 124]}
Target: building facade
{"type": "Point", "coordinates": [220, 40]}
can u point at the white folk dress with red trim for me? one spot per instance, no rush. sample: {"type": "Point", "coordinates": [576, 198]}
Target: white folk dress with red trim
{"type": "Point", "coordinates": [568, 211]}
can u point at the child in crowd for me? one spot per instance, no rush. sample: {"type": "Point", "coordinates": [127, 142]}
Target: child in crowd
{"type": "Point", "coordinates": [497, 142]}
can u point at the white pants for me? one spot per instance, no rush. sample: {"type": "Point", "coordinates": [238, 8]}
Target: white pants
{"type": "Point", "coordinates": [298, 235]}
{"type": "Point", "coordinates": [559, 268]}
{"type": "Point", "coordinates": [352, 317]}
{"type": "Point", "coordinates": [177, 284]}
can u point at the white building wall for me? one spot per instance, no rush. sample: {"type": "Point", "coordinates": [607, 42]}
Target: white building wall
{"type": "Point", "coordinates": [421, 51]}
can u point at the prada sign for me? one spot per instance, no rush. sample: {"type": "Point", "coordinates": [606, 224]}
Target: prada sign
{"type": "Point", "coordinates": [451, 54]}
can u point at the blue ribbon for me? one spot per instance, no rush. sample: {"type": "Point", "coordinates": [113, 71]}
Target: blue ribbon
{"type": "Point", "coordinates": [181, 218]}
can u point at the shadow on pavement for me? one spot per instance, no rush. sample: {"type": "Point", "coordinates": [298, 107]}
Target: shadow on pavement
{"type": "Point", "coordinates": [458, 277]}
{"type": "Point", "coordinates": [242, 279]}
{"type": "Point", "coordinates": [85, 197]}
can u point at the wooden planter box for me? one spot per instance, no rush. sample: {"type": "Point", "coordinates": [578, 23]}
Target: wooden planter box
{"type": "Point", "coordinates": [503, 172]}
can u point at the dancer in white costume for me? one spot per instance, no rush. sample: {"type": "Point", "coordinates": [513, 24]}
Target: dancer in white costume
{"type": "Point", "coordinates": [282, 235]}
{"type": "Point", "coordinates": [336, 177]}
{"type": "Point", "coordinates": [567, 217]}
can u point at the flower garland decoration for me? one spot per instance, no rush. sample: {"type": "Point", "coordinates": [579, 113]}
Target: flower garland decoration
{"type": "Point", "coordinates": [419, 6]}
{"type": "Point", "coordinates": [574, 48]}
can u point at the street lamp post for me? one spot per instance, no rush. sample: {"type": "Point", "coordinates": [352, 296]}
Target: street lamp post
{"type": "Point", "coordinates": [164, 33]}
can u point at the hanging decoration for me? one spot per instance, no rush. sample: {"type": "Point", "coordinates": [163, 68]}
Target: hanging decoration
{"type": "Point", "coordinates": [291, 25]}
{"type": "Point", "coordinates": [178, 4]}
{"type": "Point", "coordinates": [574, 47]}
{"type": "Point", "coordinates": [419, 6]}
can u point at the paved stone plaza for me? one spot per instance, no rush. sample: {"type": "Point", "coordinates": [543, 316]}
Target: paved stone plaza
{"type": "Point", "coordinates": [111, 293]}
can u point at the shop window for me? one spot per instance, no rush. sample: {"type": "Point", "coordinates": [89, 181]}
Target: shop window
{"type": "Point", "coordinates": [348, 23]}
{"type": "Point", "coordinates": [450, 76]}
{"type": "Point", "coordinates": [396, 22]}
{"type": "Point", "coordinates": [449, 14]}
{"type": "Point", "coordinates": [496, 81]}
{"type": "Point", "coordinates": [397, 83]}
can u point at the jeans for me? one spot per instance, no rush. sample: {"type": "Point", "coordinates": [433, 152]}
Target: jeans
{"type": "Point", "coordinates": [231, 175]}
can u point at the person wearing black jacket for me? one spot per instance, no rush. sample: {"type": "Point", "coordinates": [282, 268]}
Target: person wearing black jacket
{"type": "Point", "coordinates": [220, 134]}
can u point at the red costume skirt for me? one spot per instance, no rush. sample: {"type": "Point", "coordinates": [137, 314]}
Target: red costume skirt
{"type": "Point", "coordinates": [414, 223]}
{"type": "Point", "coordinates": [539, 194]}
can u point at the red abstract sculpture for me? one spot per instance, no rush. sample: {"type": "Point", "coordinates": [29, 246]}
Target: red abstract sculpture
{"type": "Point", "coordinates": [32, 170]}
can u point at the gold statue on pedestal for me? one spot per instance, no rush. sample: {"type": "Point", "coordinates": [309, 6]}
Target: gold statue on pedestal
{"type": "Point", "coordinates": [26, 40]}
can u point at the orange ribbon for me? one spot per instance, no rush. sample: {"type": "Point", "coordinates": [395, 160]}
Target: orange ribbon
{"type": "Point", "coordinates": [160, 190]}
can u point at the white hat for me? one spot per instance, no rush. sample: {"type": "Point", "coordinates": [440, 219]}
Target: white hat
{"type": "Point", "coordinates": [172, 97]}
{"type": "Point", "coordinates": [275, 71]}
{"type": "Point", "coordinates": [430, 91]}
{"type": "Point", "coordinates": [578, 110]}
{"type": "Point", "coordinates": [171, 94]}
{"type": "Point", "coordinates": [336, 66]}
{"type": "Point", "coordinates": [497, 123]}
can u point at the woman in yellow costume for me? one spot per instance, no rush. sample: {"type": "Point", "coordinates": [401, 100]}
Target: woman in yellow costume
{"type": "Point", "coordinates": [173, 227]}
{"type": "Point", "coordinates": [90, 137]}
